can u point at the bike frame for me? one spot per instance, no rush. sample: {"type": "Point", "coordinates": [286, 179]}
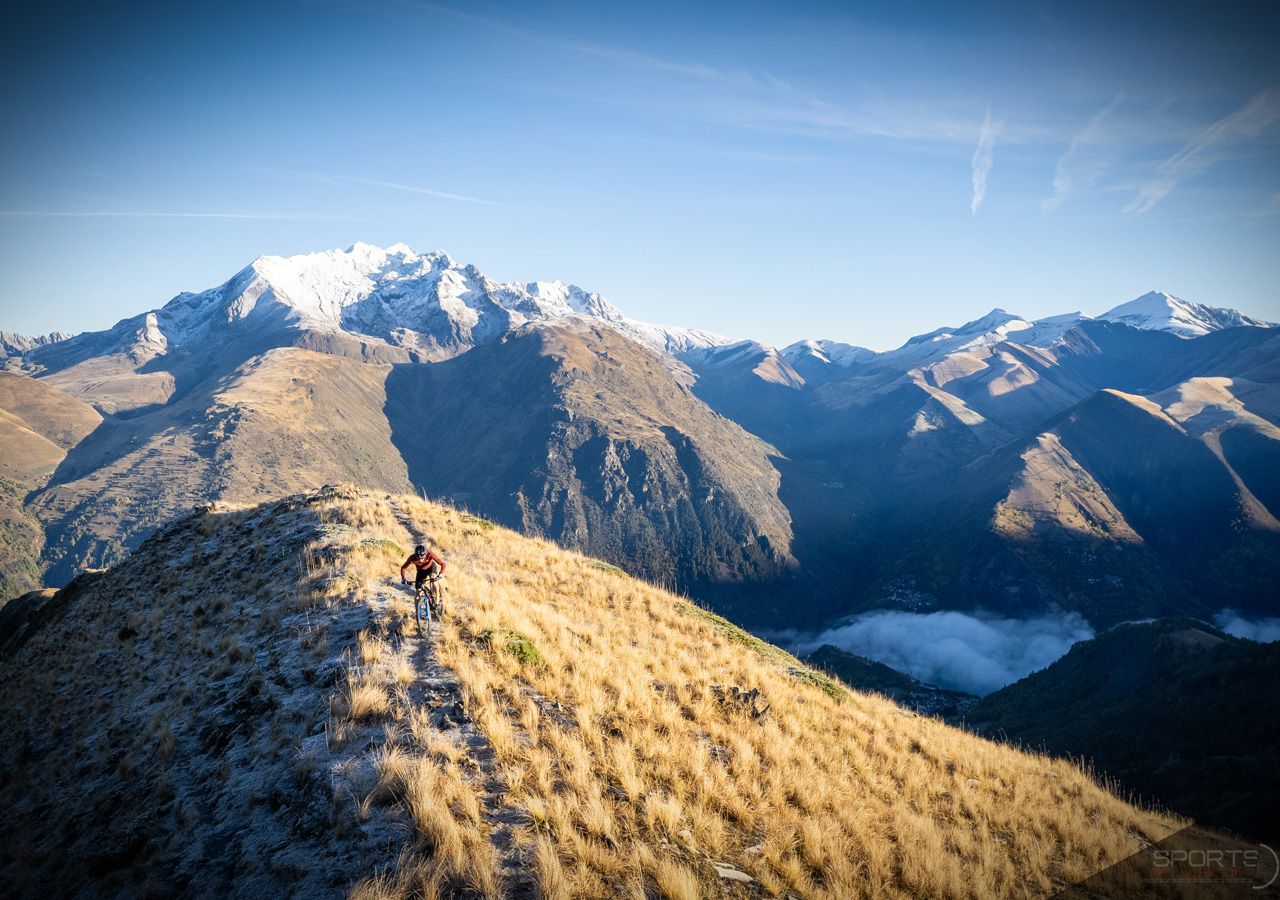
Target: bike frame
{"type": "Point", "coordinates": [424, 599]}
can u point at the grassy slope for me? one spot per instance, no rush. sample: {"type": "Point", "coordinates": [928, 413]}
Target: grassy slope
{"type": "Point", "coordinates": [281, 422]}
{"type": "Point", "coordinates": [622, 768]}
{"type": "Point", "coordinates": [189, 687]}
{"type": "Point", "coordinates": [38, 424]}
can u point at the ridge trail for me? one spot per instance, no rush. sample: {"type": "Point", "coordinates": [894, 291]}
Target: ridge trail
{"type": "Point", "coordinates": [438, 687]}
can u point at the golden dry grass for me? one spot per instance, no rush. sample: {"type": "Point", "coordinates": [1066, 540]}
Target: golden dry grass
{"type": "Point", "coordinates": [627, 776]}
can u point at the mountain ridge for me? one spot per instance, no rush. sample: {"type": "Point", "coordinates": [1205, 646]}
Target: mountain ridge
{"type": "Point", "coordinates": [231, 732]}
{"type": "Point", "coordinates": [849, 480]}
{"type": "Point", "coordinates": [430, 307]}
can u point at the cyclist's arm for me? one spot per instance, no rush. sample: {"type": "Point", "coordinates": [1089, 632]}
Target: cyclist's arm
{"type": "Point", "coordinates": [404, 567]}
{"type": "Point", "coordinates": [440, 562]}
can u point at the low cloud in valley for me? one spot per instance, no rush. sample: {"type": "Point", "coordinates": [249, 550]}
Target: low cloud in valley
{"type": "Point", "coordinates": [977, 653]}
{"type": "Point", "coordinates": [1262, 630]}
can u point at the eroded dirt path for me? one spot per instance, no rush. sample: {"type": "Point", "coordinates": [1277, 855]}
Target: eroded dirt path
{"type": "Point", "coordinates": [438, 688]}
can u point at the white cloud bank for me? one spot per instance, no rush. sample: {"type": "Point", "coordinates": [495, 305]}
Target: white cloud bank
{"type": "Point", "coordinates": [1264, 631]}
{"type": "Point", "coordinates": [975, 653]}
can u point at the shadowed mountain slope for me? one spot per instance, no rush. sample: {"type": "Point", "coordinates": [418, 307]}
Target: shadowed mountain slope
{"type": "Point", "coordinates": [1176, 492]}
{"type": "Point", "coordinates": [571, 431]}
{"type": "Point", "coordinates": [579, 434]}
{"type": "Point", "coordinates": [191, 722]}
{"type": "Point", "coordinates": [1090, 466]}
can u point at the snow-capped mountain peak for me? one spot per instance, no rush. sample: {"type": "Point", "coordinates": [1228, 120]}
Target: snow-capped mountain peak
{"type": "Point", "coordinates": [1158, 311]}
{"type": "Point", "coordinates": [995, 322]}
{"type": "Point", "coordinates": [996, 327]}
{"type": "Point", "coordinates": [827, 353]}
{"type": "Point", "coordinates": [426, 304]}
{"type": "Point", "coordinates": [431, 307]}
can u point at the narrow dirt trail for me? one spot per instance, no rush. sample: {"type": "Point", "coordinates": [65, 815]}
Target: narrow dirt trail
{"type": "Point", "coordinates": [438, 688]}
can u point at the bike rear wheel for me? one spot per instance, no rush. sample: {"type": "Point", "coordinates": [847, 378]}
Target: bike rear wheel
{"type": "Point", "coordinates": [437, 599]}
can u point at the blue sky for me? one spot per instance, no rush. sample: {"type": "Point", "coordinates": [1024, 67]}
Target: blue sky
{"type": "Point", "coordinates": [766, 170]}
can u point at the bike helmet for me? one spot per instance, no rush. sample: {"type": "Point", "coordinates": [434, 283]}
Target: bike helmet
{"type": "Point", "coordinates": [419, 550]}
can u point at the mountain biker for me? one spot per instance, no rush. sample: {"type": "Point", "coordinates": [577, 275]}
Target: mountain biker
{"type": "Point", "coordinates": [429, 566]}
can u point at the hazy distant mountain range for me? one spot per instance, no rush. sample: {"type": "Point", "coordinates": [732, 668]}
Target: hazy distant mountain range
{"type": "Point", "coordinates": [1117, 471]}
{"type": "Point", "coordinates": [1121, 466]}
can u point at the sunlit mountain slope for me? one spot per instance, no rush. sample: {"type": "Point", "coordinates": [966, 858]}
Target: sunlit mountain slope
{"type": "Point", "coordinates": [245, 708]}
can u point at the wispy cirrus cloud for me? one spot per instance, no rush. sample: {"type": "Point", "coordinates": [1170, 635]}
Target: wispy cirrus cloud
{"type": "Point", "coordinates": [809, 116]}
{"type": "Point", "coordinates": [1081, 166]}
{"type": "Point", "coordinates": [759, 100]}
{"type": "Point", "coordinates": [983, 159]}
{"type": "Point", "coordinates": [762, 102]}
{"type": "Point", "coordinates": [135, 71]}
{"type": "Point", "coordinates": [1207, 148]}
{"type": "Point", "coordinates": [330, 178]}
{"type": "Point", "coordinates": [695, 69]}
{"type": "Point", "coordinates": [420, 190]}
{"type": "Point", "coordinates": [472, 18]}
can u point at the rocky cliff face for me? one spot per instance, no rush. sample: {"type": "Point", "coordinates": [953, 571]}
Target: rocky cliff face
{"type": "Point", "coordinates": [18, 345]}
{"type": "Point", "coordinates": [577, 433]}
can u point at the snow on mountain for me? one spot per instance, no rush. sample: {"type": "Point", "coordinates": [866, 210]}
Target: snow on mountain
{"type": "Point", "coordinates": [760, 359]}
{"type": "Point", "coordinates": [435, 308]}
{"type": "Point", "coordinates": [1159, 311]}
{"type": "Point", "coordinates": [425, 303]}
{"type": "Point", "coordinates": [12, 344]}
{"type": "Point", "coordinates": [1155, 311]}
{"type": "Point", "coordinates": [996, 327]}
{"type": "Point", "coordinates": [827, 352]}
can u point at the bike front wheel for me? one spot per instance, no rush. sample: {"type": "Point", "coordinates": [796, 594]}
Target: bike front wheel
{"type": "Point", "coordinates": [423, 610]}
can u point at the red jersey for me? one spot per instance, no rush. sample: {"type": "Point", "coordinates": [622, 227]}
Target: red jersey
{"type": "Point", "coordinates": [424, 563]}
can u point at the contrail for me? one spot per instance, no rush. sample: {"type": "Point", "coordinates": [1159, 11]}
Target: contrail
{"type": "Point", "coordinates": [982, 160]}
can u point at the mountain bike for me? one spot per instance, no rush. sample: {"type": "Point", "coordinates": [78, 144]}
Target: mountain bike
{"type": "Point", "coordinates": [428, 602]}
